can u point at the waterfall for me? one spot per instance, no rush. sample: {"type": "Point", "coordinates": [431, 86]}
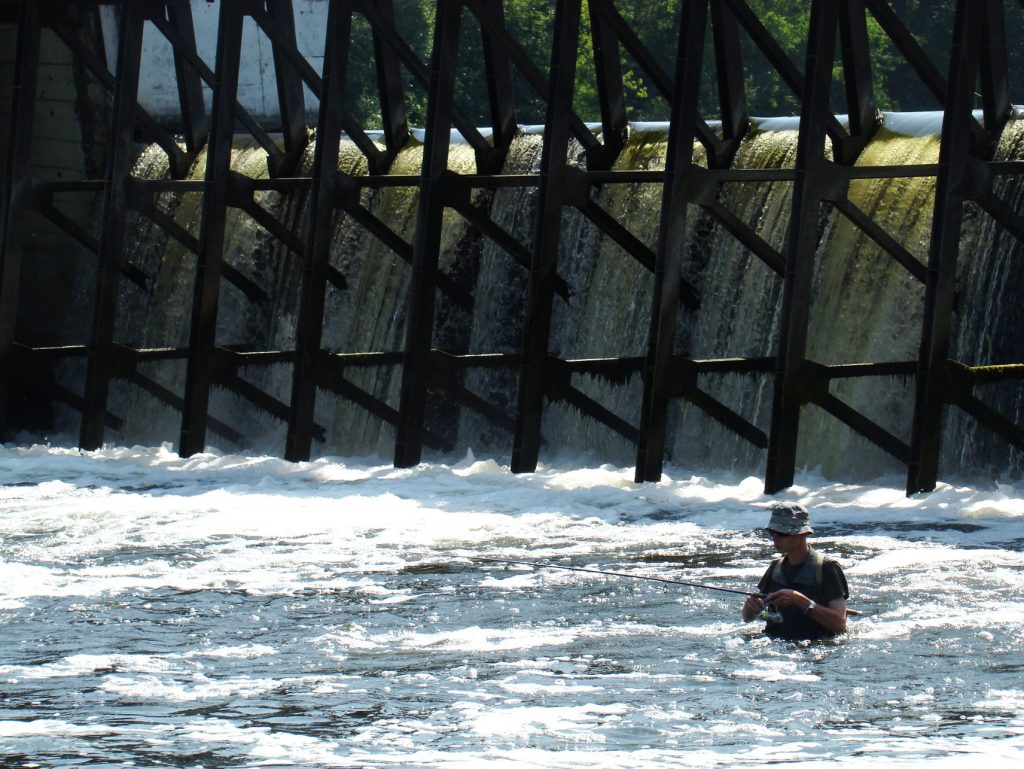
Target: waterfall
{"type": "Point", "coordinates": [990, 326]}
{"type": "Point", "coordinates": [739, 315]}
{"type": "Point", "coordinates": [869, 308]}
{"type": "Point", "coordinates": [866, 306]}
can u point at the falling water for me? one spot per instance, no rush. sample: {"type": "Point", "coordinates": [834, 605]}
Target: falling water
{"type": "Point", "coordinates": [993, 316]}
{"type": "Point", "coordinates": [867, 307]}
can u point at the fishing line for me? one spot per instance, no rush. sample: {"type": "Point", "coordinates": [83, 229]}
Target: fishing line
{"type": "Point", "coordinates": [614, 574]}
{"type": "Point", "coordinates": [699, 585]}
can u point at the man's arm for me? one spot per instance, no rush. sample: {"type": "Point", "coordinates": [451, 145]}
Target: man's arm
{"type": "Point", "coordinates": [833, 614]}
{"type": "Point", "coordinates": [832, 617]}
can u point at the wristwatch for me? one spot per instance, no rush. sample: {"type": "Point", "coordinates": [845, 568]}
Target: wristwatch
{"type": "Point", "coordinates": [810, 607]}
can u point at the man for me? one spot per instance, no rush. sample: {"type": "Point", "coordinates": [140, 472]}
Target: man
{"type": "Point", "coordinates": [808, 590]}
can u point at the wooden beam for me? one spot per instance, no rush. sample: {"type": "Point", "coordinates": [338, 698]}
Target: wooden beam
{"type": "Point", "coordinates": [114, 220]}
{"type": "Point", "coordinates": [16, 184]}
{"type": "Point", "coordinates": [679, 169]}
{"type": "Point", "coordinates": [813, 179]}
{"type": "Point", "coordinates": [947, 223]}
{"type": "Point", "coordinates": [316, 260]}
{"type": "Point", "coordinates": [533, 369]}
{"type": "Point", "coordinates": [427, 236]}
{"type": "Point", "coordinates": [210, 257]}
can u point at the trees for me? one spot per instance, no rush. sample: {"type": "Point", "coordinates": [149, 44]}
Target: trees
{"type": "Point", "coordinates": [530, 22]}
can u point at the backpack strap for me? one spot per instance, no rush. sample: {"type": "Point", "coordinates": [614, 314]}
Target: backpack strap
{"type": "Point", "coordinates": [779, 573]}
{"type": "Point", "coordinates": [819, 563]}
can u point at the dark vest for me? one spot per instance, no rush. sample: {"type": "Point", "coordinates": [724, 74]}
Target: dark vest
{"type": "Point", "coordinates": [795, 625]}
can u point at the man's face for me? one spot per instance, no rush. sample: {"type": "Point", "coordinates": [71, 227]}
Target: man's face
{"type": "Point", "coordinates": [783, 542]}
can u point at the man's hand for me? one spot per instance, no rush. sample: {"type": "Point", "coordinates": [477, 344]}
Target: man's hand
{"type": "Point", "coordinates": [832, 616]}
{"type": "Point", "coordinates": [752, 607]}
{"type": "Point", "coordinates": [787, 597]}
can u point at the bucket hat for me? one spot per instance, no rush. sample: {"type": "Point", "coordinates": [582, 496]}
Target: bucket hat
{"type": "Point", "coordinates": [789, 518]}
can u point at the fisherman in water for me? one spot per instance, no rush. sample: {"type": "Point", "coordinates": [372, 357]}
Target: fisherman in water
{"type": "Point", "coordinates": [804, 593]}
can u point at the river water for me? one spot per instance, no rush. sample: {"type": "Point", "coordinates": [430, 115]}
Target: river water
{"type": "Point", "coordinates": [238, 611]}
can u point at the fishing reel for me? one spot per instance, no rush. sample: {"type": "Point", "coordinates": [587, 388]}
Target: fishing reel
{"type": "Point", "coordinates": [771, 613]}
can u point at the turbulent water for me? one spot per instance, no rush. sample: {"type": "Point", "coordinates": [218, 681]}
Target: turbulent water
{"type": "Point", "coordinates": [239, 610]}
{"type": "Point", "coordinates": [230, 610]}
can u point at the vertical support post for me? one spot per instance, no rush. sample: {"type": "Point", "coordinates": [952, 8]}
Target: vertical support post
{"type": "Point", "coordinates": [732, 97]}
{"type": "Point", "coordinates": [318, 243]}
{"type": "Point", "coordinates": [111, 242]}
{"type": "Point", "coordinates": [498, 71]}
{"type": "Point", "coordinates": [209, 258]}
{"type": "Point", "coordinates": [994, 73]}
{"type": "Point", "coordinates": [15, 186]}
{"type": "Point", "coordinates": [610, 89]}
{"type": "Point", "coordinates": [419, 333]}
{"type": "Point", "coordinates": [860, 93]}
{"type": "Point", "coordinates": [547, 237]}
{"type": "Point", "coordinates": [389, 86]}
{"type": "Point", "coordinates": [947, 221]}
{"type": "Point", "coordinates": [290, 98]}
{"type": "Point", "coordinates": [190, 83]}
{"type": "Point", "coordinates": [671, 233]}
{"type": "Point", "coordinates": [801, 242]}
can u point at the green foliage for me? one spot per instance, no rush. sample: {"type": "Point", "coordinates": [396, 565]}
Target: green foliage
{"type": "Point", "coordinates": [531, 22]}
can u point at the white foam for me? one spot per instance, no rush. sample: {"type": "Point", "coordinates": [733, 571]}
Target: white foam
{"type": "Point", "coordinates": [127, 521]}
{"type": "Point", "coordinates": [247, 651]}
{"type": "Point", "coordinates": [566, 722]}
{"type": "Point", "coordinates": [87, 664]}
{"type": "Point", "coordinates": [196, 688]}
{"type": "Point", "coordinates": [51, 728]}
{"type": "Point", "coordinates": [265, 745]}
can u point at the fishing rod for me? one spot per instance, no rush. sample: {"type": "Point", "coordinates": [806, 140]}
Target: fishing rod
{"type": "Point", "coordinates": [852, 612]}
{"type": "Point", "coordinates": [616, 574]}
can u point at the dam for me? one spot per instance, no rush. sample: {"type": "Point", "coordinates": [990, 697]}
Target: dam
{"type": "Point", "coordinates": [220, 261]}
